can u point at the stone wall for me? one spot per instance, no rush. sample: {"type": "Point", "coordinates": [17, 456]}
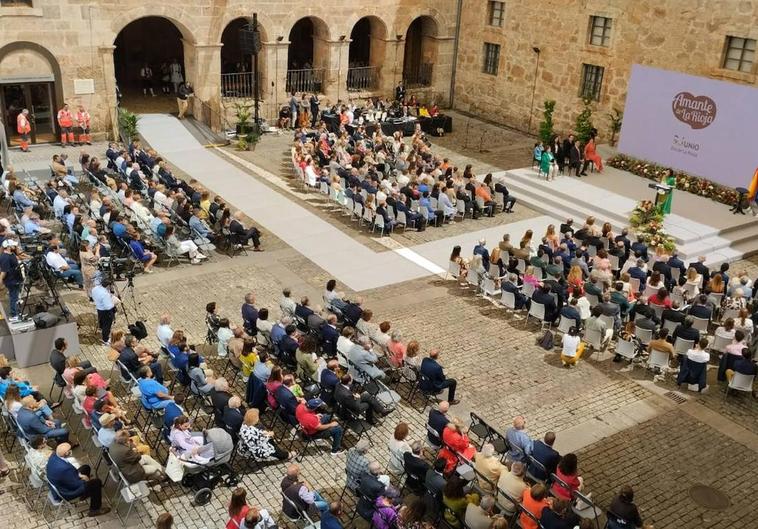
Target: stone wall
{"type": "Point", "coordinates": [682, 35]}
{"type": "Point", "coordinates": [80, 34]}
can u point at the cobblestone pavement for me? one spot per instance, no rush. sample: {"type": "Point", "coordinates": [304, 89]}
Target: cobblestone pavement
{"type": "Point", "coordinates": [622, 428]}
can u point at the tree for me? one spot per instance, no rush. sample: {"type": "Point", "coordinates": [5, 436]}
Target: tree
{"type": "Point", "coordinates": [546, 126]}
{"type": "Point", "coordinates": [584, 126]}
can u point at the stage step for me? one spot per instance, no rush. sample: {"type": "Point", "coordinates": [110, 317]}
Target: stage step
{"type": "Point", "coordinates": [570, 197]}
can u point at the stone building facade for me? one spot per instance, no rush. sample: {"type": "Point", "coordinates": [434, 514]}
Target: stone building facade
{"type": "Point", "coordinates": [691, 36]}
{"type": "Point", "coordinates": [68, 46]}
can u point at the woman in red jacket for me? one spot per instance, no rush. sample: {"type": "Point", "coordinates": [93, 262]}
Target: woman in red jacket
{"type": "Point", "coordinates": [455, 442]}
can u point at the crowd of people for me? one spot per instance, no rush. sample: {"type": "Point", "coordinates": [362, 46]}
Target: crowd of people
{"type": "Point", "coordinates": [561, 156]}
{"type": "Point", "coordinates": [598, 286]}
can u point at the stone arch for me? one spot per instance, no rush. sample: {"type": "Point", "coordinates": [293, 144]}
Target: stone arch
{"type": "Point", "coordinates": [420, 51]}
{"type": "Point", "coordinates": [20, 46]}
{"type": "Point", "coordinates": [237, 65]}
{"type": "Point", "coordinates": [366, 54]}
{"type": "Point", "coordinates": [167, 42]}
{"type": "Point", "coordinates": [186, 27]}
{"type": "Point", "coordinates": [309, 37]}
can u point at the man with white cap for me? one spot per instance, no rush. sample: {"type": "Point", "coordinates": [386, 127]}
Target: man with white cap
{"type": "Point", "coordinates": [10, 275]}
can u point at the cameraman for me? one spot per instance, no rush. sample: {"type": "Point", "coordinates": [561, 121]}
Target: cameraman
{"type": "Point", "coordinates": [10, 273]}
{"type": "Point", "coordinates": [105, 303]}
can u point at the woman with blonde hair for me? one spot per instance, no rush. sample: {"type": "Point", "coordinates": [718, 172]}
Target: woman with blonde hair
{"type": "Point", "coordinates": [256, 443]}
{"type": "Point", "coordinates": [526, 242]}
{"type": "Point", "coordinates": [693, 282]}
{"type": "Point", "coordinates": [552, 238]}
{"type": "Point", "coordinates": [530, 278]}
{"type": "Point", "coordinates": [715, 285]}
{"type": "Point", "coordinates": [575, 281]}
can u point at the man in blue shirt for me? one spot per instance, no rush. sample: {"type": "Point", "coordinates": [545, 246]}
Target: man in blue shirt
{"type": "Point", "coordinates": [146, 257]}
{"type": "Point", "coordinates": [331, 518]}
{"type": "Point", "coordinates": [198, 226]}
{"type": "Point", "coordinates": [481, 249]}
{"type": "Point", "coordinates": [106, 308]}
{"type": "Point", "coordinates": [250, 315]}
{"type": "Point", "coordinates": [519, 440]}
{"type": "Point", "coordinates": [73, 483]}
{"type": "Point", "coordinates": [155, 396]}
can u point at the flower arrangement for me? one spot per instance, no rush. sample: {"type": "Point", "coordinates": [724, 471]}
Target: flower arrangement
{"type": "Point", "coordinates": [684, 181]}
{"type": "Point", "coordinates": [647, 221]}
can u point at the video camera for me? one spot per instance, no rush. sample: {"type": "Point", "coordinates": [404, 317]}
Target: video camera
{"type": "Point", "coordinates": [117, 268]}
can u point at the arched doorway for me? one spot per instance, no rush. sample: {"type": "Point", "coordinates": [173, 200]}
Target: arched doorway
{"type": "Point", "coordinates": [420, 52]}
{"type": "Point", "coordinates": [308, 55]}
{"type": "Point", "coordinates": [30, 77]}
{"type": "Point", "coordinates": [237, 61]}
{"type": "Point", "coordinates": [154, 42]}
{"type": "Point", "coordinates": [366, 54]}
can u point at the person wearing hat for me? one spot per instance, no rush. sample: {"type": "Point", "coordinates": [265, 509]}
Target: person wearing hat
{"type": "Point", "coordinates": [32, 424]}
{"type": "Point", "coordinates": [107, 432]}
{"type": "Point", "coordinates": [73, 483]}
{"type": "Point", "coordinates": [319, 425]}
{"type": "Point", "coordinates": [10, 274]}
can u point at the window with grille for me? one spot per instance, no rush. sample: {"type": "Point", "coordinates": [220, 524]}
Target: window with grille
{"type": "Point", "coordinates": [592, 81]}
{"type": "Point", "coordinates": [740, 54]}
{"type": "Point", "coordinates": [15, 3]}
{"type": "Point", "coordinates": [600, 31]}
{"type": "Point", "coordinates": [496, 10]}
{"type": "Point", "coordinates": [491, 58]}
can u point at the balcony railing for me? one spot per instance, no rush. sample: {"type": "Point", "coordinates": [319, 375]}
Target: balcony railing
{"type": "Point", "coordinates": [241, 85]}
{"type": "Point", "coordinates": [310, 80]}
{"type": "Point", "coordinates": [363, 78]}
{"type": "Point", "coordinates": [418, 77]}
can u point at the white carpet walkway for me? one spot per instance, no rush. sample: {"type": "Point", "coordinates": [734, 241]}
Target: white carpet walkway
{"type": "Point", "coordinates": [343, 257]}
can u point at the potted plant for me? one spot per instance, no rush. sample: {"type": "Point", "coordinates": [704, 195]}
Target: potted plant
{"type": "Point", "coordinates": [616, 117]}
{"type": "Point", "coordinates": [128, 124]}
{"type": "Point", "coordinates": [247, 133]}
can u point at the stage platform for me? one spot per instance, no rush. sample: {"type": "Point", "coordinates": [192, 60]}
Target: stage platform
{"type": "Point", "coordinates": [699, 225]}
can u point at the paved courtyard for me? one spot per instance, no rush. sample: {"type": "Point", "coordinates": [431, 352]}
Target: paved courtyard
{"type": "Point", "coordinates": [624, 428]}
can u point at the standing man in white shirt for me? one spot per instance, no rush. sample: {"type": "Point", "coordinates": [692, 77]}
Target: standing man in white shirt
{"type": "Point", "coordinates": [105, 303]}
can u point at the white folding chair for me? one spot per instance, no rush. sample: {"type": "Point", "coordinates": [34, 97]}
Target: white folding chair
{"type": "Point", "coordinates": [719, 343]}
{"type": "Point", "coordinates": [324, 188]}
{"type": "Point", "coordinates": [635, 284]}
{"type": "Point", "coordinates": [681, 346]}
{"type": "Point", "coordinates": [521, 266]}
{"type": "Point", "coordinates": [592, 299]}
{"type": "Point", "coordinates": [626, 349]}
{"type": "Point", "coordinates": [701, 324]}
{"type": "Point", "coordinates": [508, 299]}
{"type": "Point", "coordinates": [453, 269]}
{"type": "Point", "coordinates": [644, 335]}
{"type": "Point", "coordinates": [594, 339]}
{"type": "Point", "coordinates": [670, 325]}
{"type": "Point", "coordinates": [610, 321]}
{"type": "Point", "coordinates": [537, 311]}
{"type": "Point", "coordinates": [402, 220]}
{"type": "Point", "coordinates": [473, 278]}
{"type": "Point", "coordinates": [488, 287]}
{"type": "Point", "coordinates": [649, 291]}
{"type": "Point", "coordinates": [565, 324]}
{"type": "Point", "coordinates": [527, 289]}
{"type": "Point", "coordinates": [730, 313]}
{"type": "Point", "coordinates": [740, 382]}
{"type": "Point", "coordinates": [659, 359]}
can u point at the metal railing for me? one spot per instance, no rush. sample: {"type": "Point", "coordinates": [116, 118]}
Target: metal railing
{"type": "Point", "coordinates": [419, 77]}
{"type": "Point", "coordinates": [363, 78]}
{"type": "Point", "coordinates": [310, 80]}
{"type": "Point", "coordinates": [241, 85]}
{"type": "Point", "coordinates": [213, 119]}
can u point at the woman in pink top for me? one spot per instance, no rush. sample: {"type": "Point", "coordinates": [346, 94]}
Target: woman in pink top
{"type": "Point", "coordinates": [601, 262]}
{"type": "Point", "coordinates": [396, 349]}
{"type": "Point", "coordinates": [567, 472]}
{"type": "Point", "coordinates": [530, 278]}
{"type": "Point", "coordinates": [274, 381]}
{"type": "Point", "coordinates": [661, 298]}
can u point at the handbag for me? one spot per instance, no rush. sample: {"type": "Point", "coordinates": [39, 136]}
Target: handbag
{"type": "Point", "coordinates": [174, 468]}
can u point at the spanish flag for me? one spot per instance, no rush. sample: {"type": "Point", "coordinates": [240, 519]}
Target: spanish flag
{"type": "Point", "coordinates": [751, 191]}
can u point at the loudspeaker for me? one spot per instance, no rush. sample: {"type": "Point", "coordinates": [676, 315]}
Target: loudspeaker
{"type": "Point", "coordinates": [250, 40]}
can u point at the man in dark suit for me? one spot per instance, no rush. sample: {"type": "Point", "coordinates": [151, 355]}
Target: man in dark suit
{"type": "Point", "coordinates": [699, 265]}
{"type": "Point", "coordinates": [639, 247]}
{"type": "Point", "coordinates": [233, 416]}
{"type": "Point", "coordinates": [303, 310]}
{"type": "Point", "coordinates": [329, 381]}
{"type": "Point", "coordinates": [288, 345]}
{"type": "Point", "coordinates": [352, 312]}
{"type": "Point", "coordinates": [675, 262]}
{"type": "Point", "coordinates": [415, 467]}
{"type": "Point", "coordinates": [434, 377]}
{"type": "Point", "coordinates": [673, 314]}
{"type": "Point", "coordinates": [370, 489]}
{"type": "Point", "coordinates": [571, 312]}
{"type": "Point", "coordinates": [609, 308]}
{"type": "Point", "coordinates": [437, 421]}
{"type": "Point", "coordinates": [642, 307]}
{"type": "Point", "coordinates": [545, 454]}
{"type": "Point", "coordinates": [329, 335]}
{"type": "Point", "coordinates": [701, 309]}
{"type": "Point", "coordinates": [568, 227]}
{"type": "Point", "coordinates": [72, 482]}
{"type": "Point", "coordinates": [287, 400]}
{"type": "Point", "coordinates": [686, 331]}
{"type": "Point", "coordinates": [510, 285]}
{"type": "Point", "coordinates": [357, 403]}
{"type": "Point", "coordinates": [665, 270]}
{"type": "Point", "coordinates": [542, 295]}
{"type": "Point", "coordinates": [434, 483]}
{"type": "Point", "coordinates": [638, 272]}
{"type": "Point", "coordinates": [411, 217]}
{"type": "Point", "coordinates": [623, 237]}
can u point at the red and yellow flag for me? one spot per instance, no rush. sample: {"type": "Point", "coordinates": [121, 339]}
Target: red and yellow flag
{"type": "Point", "coordinates": [751, 191]}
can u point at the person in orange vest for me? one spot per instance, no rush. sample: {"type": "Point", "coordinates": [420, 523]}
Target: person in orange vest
{"type": "Point", "coordinates": [83, 119]}
{"type": "Point", "coordinates": [23, 127]}
{"type": "Point", "coordinates": [66, 123]}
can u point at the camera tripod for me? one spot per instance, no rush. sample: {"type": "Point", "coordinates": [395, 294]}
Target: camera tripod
{"type": "Point", "coordinates": [35, 269]}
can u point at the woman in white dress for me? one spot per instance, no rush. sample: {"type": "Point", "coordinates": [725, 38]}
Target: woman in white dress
{"type": "Point", "coordinates": [176, 74]}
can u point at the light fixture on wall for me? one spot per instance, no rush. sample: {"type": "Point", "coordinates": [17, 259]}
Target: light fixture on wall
{"type": "Point", "coordinates": [279, 38]}
{"type": "Point", "coordinates": [537, 51]}
{"type": "Point", "coordinates": [342, 38]}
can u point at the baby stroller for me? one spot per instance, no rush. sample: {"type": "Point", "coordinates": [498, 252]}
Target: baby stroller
{"type": "Point", "coordinates": [203, 478]}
